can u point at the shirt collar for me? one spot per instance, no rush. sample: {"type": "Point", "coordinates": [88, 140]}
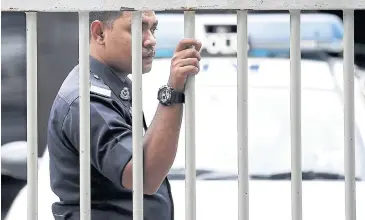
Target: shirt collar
{"type": "Point", "coordinates": [115, 81]}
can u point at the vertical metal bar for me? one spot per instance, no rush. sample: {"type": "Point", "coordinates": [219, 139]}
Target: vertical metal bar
{"type": "Point", "coordinates": [190, 180]}
{"type": "Point", "coordinates": [242, 115]}
{"type": "Point", "coordinates": [295, 115]}
{"type": "Point", "coordinates": [32, 124]}
{"type": "Point", "coordinates": [84, 77]}
{"type": "Point", "coordinates": [137, 115]}
{"type": "Point", "coordinates": [349, 111]}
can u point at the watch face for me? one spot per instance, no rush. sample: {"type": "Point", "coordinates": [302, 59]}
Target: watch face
{"type": "Point", "coordinates": [165, 95]}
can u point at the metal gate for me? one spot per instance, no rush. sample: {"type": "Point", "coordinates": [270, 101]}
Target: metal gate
{"type": "Point", "coordinates": [84, 6]}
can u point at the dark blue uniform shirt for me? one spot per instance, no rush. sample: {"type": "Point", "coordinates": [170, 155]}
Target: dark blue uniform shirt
{"type": "Point", "coordinates": [111, 150]}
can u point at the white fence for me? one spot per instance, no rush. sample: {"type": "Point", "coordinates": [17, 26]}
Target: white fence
{"type": "Point", "coordinates": [84, 6]}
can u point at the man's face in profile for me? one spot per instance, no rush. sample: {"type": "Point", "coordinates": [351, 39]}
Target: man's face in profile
{"type": "Point", "coordinates": [118, 42]}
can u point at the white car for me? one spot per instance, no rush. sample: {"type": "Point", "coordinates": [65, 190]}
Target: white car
{"type": "Point", "coordinates": [268, 126]}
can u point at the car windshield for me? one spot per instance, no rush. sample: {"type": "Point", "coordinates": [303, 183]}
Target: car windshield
{"type": "Point", "coordinates": [269, 135]}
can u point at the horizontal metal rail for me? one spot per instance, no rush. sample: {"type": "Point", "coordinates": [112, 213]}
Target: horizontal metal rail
{"type": "Point", "coordinates": [177, 5]}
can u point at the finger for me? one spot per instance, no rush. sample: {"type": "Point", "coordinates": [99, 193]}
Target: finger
{"type": "Point", "coordinates": [188, 53]}
{"type": "Point", "coordinates": [187, 43]}
{"type": "Point", "coordinates": [188, 61]}
{"type": "Point", "coordinates": [189, 70]}
{"type": "Point", "coordinates": [198, 46]}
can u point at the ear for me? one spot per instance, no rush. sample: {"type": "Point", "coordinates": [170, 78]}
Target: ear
{"type": "Point", "coordinates": [97, 31]}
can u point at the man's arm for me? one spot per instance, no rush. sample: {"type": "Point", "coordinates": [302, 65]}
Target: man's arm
{"type": "Point", "coordinates": [161, 139]}
{"type": "Point", "coordinates": [160, 147]}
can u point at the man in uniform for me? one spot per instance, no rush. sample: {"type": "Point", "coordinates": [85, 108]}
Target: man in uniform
{"type": "Point", "coordinates": [111, 124]}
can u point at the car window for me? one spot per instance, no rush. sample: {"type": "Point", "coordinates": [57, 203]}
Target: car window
{"type": "Point", "coordinates": [269, 132]}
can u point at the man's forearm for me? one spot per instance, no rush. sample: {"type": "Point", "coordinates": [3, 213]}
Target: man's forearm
{"type": "Point", "coordinates": [161, 143]}
{"type": "Point", "coordinates": [160, 147]}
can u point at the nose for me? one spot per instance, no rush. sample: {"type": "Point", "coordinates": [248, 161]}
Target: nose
{"type": "Point", "coordinates": [149, 40]}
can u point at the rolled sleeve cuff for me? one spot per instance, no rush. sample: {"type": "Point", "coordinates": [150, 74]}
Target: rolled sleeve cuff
{"type": "Point", "coordinates": [116, 160]}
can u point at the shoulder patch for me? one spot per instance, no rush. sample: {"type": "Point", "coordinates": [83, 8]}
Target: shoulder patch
{"type": "Point", "coordinates": [99, 88]}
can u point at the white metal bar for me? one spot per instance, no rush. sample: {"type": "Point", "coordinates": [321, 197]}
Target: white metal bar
{"type": "Point", "coordinates": [32, 124]}
{"type": "Point", "coordinates": [157, 5]}
{"type": "Point", "coordinates": [190, 166]}
{"type": "Point", "coordinates": [349, 113]}
{"type": "Point", "coordinates": [295, 115]}
{"type": "Point", "coordinates": [242, 115]}
{"type": "Point", "coordinates": [84, 77]}
{"type": "Point", "coordinates": [137, 115]}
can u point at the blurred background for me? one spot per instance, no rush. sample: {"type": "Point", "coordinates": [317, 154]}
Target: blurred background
{"type": "Point", "coordinates": [58, 54]}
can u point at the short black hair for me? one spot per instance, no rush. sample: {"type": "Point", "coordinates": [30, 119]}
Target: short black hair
{"type": "Point", "coordinates": [106, 17]}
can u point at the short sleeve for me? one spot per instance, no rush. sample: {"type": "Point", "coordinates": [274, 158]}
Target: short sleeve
{"type": "Point", "coordinates": [111, 136]}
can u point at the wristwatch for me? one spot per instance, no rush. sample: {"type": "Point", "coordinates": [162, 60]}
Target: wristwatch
{"type": "Point", "coordinates": [168, 96]}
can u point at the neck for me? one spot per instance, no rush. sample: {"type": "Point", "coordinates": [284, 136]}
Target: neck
{"type": "Point", "coordinates": [96, 55]}
{"type": "Point", "coordinates": [121, 75]}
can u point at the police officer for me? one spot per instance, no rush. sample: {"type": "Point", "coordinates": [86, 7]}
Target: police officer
{"type": "Point", "coordinates": [111, 124]}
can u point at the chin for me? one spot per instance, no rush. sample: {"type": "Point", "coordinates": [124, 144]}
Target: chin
{"type": "Point", "coordinates": [146, 69]}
